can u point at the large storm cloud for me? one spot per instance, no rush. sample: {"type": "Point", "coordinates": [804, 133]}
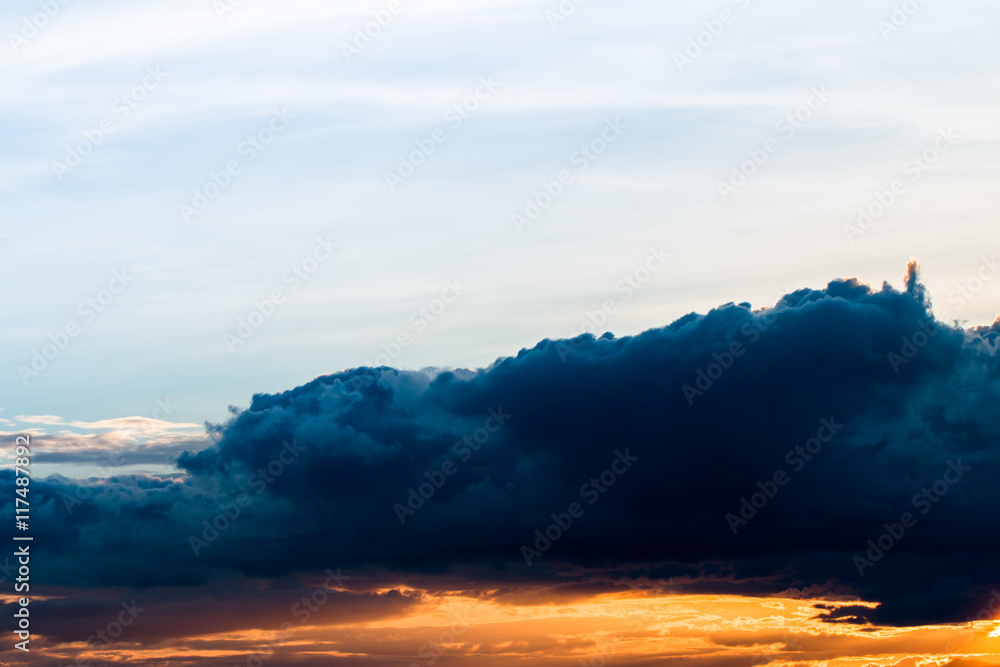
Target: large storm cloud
{"type": "Point", "coordinates": [740, 450]}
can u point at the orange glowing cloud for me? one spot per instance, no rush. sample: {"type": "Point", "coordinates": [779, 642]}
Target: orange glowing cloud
{"type": "Point", "coordinates": [615, 628]}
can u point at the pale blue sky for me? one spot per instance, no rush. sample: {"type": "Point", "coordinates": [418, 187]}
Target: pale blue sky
{"type": "Point", "coordinates": [323, 176]}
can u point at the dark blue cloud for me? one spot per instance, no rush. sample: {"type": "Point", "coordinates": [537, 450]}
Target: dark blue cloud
{"type": "Point", "coordinates": [829, 415]}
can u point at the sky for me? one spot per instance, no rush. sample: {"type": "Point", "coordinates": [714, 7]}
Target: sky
{"type": "Point", "coordinates": [685, 126]}
{"type": "Point", "coordinates": [216, 211]}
